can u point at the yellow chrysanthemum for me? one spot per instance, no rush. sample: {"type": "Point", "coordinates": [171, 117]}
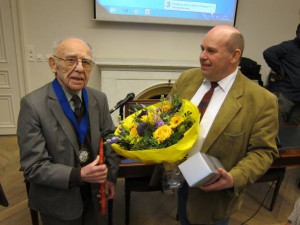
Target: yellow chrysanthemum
{"type": "Point", "coordinates": [162, 133]}
{"type": "Point", "coordinates": [176, 120]}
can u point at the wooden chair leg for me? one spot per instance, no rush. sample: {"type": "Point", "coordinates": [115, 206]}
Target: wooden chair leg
{"type": "Point", "coordinates": [275, 193]}
{"type": "Point", "coordinates": [273, 175]}
{"type": "Point", "coordinates": [127, 203]}
{"type": "Point", "coordinates": [110, 211]}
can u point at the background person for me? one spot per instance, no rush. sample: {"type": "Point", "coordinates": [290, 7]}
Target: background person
{"type": "Point", "coordinates": [239, 128]}
{"type": "Point", "coordinates": [59, 147]}
{"type": "Point", "coordinates": [284, 61]}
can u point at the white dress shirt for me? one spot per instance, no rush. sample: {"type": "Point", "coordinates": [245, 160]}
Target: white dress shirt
{"type": "Point", "coordinates": [213, 108]}
{"type": "Point", "coordinates": [69, 97]}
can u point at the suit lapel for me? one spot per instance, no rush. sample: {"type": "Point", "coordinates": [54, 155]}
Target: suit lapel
{"type": "Point", "coordinates": [64, 122]}
{"type": "Point", "coordinates": [94, 119]}
{"type": "Point", "coordinates": [230, 107]}
{"type": "Point", "coordinates": [192, 84]}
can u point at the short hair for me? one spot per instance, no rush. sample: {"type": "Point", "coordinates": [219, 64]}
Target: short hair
{"type": "Point", "coordinates": [236, 41]}
{"type": "Point", "coordinates": [58, 42]}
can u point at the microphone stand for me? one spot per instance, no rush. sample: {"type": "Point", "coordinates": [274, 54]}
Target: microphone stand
{"type": "Point", "coordinates": [121, 112]}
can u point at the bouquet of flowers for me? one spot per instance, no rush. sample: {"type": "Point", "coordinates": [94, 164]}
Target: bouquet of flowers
{"type": "Point", "coordinates": [160, 133]}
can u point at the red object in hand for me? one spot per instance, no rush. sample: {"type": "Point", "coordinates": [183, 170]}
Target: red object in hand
{"type": "Point", "coordinates": [102, 186]}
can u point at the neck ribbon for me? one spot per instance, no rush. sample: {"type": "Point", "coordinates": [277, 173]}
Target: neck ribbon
{"type": "Point", "coordinates": [80, 128]}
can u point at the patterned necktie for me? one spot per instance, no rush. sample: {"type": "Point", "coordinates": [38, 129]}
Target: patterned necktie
{"type": "Point", "coordinates": [77, 106]}
{"type": "Point", "coordinates": [206, 98]}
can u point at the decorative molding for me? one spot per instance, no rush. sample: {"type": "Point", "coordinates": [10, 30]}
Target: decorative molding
{"type": "Point", "coordinates": [3, 57]}
{"type": "Point", "coordinates": [4, 79]}
{"type": "Point", "coordinates": [7, 112]}
{"type": "Point", "coordinates": [145, 65]}
{"type": "Point", "coordinates": [145, 78]}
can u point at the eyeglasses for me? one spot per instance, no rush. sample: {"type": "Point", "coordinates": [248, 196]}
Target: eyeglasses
{"type": "Point", "coordinates": [86, 63]}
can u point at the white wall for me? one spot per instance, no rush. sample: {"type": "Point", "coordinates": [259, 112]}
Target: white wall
{"type": "Point", "coordinates": [263, 23]}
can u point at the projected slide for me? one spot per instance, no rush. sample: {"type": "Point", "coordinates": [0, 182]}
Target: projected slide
{"type": "Point", "coordinates": [172, 8]}
{"type": "Point", "coordinates": [215, 10]}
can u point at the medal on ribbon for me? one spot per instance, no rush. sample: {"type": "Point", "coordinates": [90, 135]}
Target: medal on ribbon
{"type": "Point", "coordinates": [83, 155]}
{"type": "Point", "coordinates": [80, 128]}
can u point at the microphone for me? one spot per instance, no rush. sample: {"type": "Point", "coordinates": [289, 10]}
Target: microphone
{"type": "Point", "coordinates": [121, 103]}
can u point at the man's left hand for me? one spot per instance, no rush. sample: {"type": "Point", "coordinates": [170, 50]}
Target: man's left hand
{"type": "Point", "coordinates": [110, 189]}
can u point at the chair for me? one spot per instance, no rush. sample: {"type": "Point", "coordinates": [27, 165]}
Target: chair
{"type": "Point", "coordinates": [273, 175]}
{"type": "Point", "coordinates": [138, 184]}
{"type": "Point", "coordinates": [251, 70]}
{"type": "Point", "coordinates": [288, 138]}
{"type": "Point", "coordinates": [3, 199]}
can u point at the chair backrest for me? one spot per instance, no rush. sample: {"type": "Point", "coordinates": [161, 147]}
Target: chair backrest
{"type": "Point", "coordinates": [156, 91]}
{"type": "Point", "coordinates": [288, 137]}
{"type": "Point", "coordinates": [148, 97]}
{"type": "Point", "coordinates": [137, 104]}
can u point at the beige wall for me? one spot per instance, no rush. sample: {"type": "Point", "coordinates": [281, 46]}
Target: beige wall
{"type": "Point", "coordinates": [263, 23]}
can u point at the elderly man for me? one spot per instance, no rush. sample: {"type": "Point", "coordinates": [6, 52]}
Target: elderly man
{"type": "Point", "coordinates": [239, 127]}
{"type": "Point", "coordinates": [59, 130]}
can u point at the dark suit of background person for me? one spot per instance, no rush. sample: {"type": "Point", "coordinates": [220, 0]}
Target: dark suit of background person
{"type": "Point", "coordinates": [242, 134]}
{"type": "Point", "coordinates": [284, 60]}
{"type": "Point", "coordinates": [62, 189]}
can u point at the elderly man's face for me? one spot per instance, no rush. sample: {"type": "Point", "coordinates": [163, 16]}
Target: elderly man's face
{"type": "Point", "coordinates": [74, 77]}
{"type": "Point", "coordinates": [216, 60]}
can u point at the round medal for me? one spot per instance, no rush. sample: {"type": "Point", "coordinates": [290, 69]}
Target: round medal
{"type": "Point", "coordinates": [83, 155]}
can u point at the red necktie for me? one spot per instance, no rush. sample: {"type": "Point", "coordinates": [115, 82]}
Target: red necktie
{"type": "Point", "coordinates": [206, 98]}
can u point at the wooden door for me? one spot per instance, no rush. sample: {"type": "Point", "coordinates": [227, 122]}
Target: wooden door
{"type": "Point", "coordinates": [10, 67]}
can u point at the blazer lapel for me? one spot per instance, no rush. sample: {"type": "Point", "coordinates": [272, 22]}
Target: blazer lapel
{"type": "Point", "coordinates": [94, 119]}
{"type": "Point", "coordinates": [64, 122]}
{"type": "Point", "coordinates": [227, 112]}
{"type": "Point", "coordinates": [191, 85]}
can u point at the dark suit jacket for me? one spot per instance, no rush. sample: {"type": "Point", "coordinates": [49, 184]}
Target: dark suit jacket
{"type": "Point", "coordinates": [242, 136]}
{"type": "Point", "coordinates": [49, 150]}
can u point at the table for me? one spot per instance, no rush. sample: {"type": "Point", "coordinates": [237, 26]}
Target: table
{"type": "Point", "coordinates": [128, 168]}
{"type": "Point", "coordinates": [289, 144]}
{"type": "Point", "coordinates": [288, 157]}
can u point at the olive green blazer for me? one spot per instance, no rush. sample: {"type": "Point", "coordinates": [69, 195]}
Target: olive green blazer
{"type": "Point", "coordinates": [242, 136]}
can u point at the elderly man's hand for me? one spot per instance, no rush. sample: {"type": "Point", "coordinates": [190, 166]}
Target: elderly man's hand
{"type": "Point", "coordinates": [93, 172]}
